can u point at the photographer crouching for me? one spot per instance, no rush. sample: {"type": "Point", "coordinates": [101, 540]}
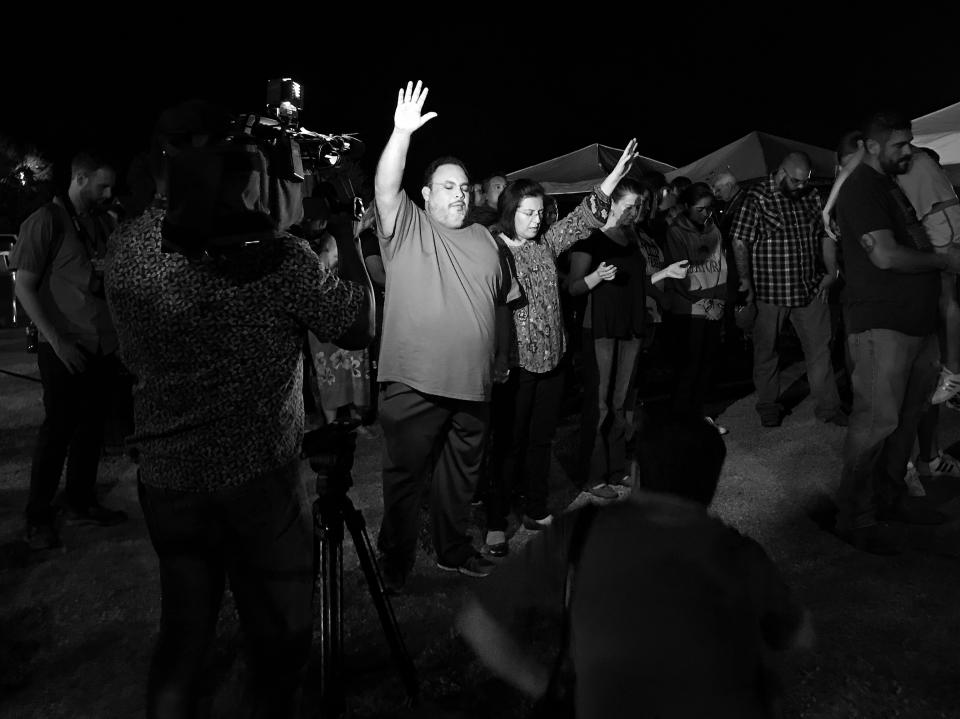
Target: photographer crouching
{"type": "Point", "coordinates": [212, 302]}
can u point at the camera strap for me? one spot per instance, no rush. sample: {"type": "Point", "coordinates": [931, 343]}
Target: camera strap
{"type": "Point", "coordinates": [89, 243]}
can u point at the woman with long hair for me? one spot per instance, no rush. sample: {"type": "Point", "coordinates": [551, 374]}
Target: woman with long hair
{"type": "Point", "coordinates": [526, 405]}
{"type": "Point", "coordinates": [610, 267]}
{"type": "Point", "coordinates": [696, 302]}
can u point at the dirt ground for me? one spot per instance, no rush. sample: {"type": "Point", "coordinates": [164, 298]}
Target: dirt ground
{"type": "Point", "coordinates": [77, 627]}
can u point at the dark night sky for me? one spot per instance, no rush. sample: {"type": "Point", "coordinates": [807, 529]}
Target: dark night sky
{"type": "Point", "coordinates": [508, 95]}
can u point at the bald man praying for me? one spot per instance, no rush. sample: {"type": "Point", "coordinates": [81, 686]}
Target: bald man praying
{"type": "Point", "coordinates": [787, 263]}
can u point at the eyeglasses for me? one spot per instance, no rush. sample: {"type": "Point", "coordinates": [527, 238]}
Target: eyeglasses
{"type": "Point", "coordinates": [451, 186]}
{"type": "Point", "coordinates": [530, 213]}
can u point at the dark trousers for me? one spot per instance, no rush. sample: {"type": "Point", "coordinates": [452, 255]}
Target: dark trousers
{"type": "Point", "coordinates": [75, 409]}
{"type": "Point", "coordinates": [590, 409]}
{"type": "Point", "coordinates": [260, 535]}
{"type": "Point", "coordinates": [893, 376]}
{"type": "Point", "coordinates": [524, 412]}
{"type": "Point", "coordinates": [695, 342]}
{"type": "Point", "coordinates": [420, 429]}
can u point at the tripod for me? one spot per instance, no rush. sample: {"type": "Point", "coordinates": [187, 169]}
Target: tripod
{"type": "Point", "coordinates": [331, 450]}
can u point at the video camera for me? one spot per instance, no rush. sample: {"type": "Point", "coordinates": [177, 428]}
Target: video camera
{"type": "Point", "coordinates": [236, 180]}
{"type": "Point", "coordinates": [294, 150]}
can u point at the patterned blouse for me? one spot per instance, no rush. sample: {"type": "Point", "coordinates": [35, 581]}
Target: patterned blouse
{"type": "Point", "coordinates": [538, 339]}
{"type": "Point", "coordinates": [218, 352]}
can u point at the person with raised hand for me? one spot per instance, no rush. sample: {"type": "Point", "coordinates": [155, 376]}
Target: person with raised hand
{"type": "Point", "coordinates": [527, 405]}
{"type": "Point", "coordinates": [444, 282]}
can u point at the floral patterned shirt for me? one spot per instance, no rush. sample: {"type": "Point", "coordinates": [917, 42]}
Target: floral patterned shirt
{"type": "Point", "coordinates": [218, 352]}
{"type": "Point", "coordinates": [538, 339]}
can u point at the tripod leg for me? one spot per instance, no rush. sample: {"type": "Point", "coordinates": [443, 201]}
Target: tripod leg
{"type": "Point", "coordinates": [356, 524]}
{"type": "Point", "coordinates": [329, 548]}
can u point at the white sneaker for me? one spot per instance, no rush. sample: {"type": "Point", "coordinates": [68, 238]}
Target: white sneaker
{"type": "Point", "coordinates": [721, 430]}
{"type": "Point", "coordinates": [947, 386]}
{"type": "Point", "coordinates": [943, 465]}
{"type": "Point", "coordinates": [912, 480]}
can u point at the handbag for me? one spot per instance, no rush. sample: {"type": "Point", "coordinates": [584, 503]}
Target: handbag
{"type": "Point", "coordinates": [558, 701]}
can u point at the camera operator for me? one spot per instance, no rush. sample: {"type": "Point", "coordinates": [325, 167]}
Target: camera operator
{"type": "Point", "coordinates": [214, 337]}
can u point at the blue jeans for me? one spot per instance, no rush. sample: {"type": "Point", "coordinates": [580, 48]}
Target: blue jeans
{"type": "Point", "coordinates": [260, 535]}
{"type": "Point", "coordinates": [893, 376]}
{"type": "Point", "coordinates": [616, 360]}
{"type": "Point", "coordinates": [813, 329]}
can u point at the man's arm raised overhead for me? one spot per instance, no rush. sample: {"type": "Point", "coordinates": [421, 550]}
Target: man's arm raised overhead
{"type": "Point", "coordinates": [407, 119]}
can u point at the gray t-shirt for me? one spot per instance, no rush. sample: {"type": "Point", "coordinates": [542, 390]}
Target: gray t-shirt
{"type": "Point", "coordinates": [50, 246]}
{"type": "Point", "coordinates": [438, 322]}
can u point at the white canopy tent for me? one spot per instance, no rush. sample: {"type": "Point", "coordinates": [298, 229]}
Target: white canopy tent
{"type": "Point", "coordinates": [754, 156]}
{"type": "Point", "coordinates": [940, 131]}
{"type": "Point", "coordinates": [579, 171]}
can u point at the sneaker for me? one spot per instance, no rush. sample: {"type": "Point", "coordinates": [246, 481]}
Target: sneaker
{"type": "Point", "coordinates": [947, 386]}
{"type": "Point", "coordinates": [94, 514]}
{"type": "Point", "coordinates": [713, 423]}
{"type": "Point", "coordinates": [912, 480]}
{"type": "Point", "coordinates": [40, 537]}
{"type": "Point", "coordinates": [603, 491]}
{"type": "Point", "coordinates": [475, 566]}
{"type": "Point", "coordinates": [943, 465]}
{"type": "Point", "coordinates": [537, 524]}
{"type": "Point", "coordinates": [496, 544]}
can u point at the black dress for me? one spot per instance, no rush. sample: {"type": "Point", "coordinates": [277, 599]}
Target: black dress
{"type": "Point", "coordinates": [618, 307]}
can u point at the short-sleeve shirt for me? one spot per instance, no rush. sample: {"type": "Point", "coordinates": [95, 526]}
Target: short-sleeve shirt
{"type": "Point", "coordinates": [785, 237]}
{"type": "Point", "coordinates": [883, 299]}
{"type": "Point", "coordinates": [677, 624]}
{"type": "Point", "coordinates": [79, 314]}
{"type": "Point", "coordinates": [442, 289]}
{"type": "Point", "coordinates": [618, 307]}
{"type": "Point", "coordinates": [925, 184]}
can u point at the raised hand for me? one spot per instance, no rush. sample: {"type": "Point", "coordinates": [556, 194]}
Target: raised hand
{"type": "Point", "coordinates": [621, 169]}
{"type": "Point", "coordinates": [626, 159]}
{"type": "Point", "coordinates": [408, 116]}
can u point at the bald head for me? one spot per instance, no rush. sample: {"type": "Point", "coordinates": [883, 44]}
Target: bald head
{"type": "Point", "coordinates": [725, 186]}
{"type": "Point", "coordinates": [796, 163]}
{"type": "Point", "coordinates": [793, 177]}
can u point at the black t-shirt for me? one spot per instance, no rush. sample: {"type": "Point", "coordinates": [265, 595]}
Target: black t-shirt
{"type": "Point", "coordinates": [618, 307]}
{"type": "Point", "coordinates": [883, 299]}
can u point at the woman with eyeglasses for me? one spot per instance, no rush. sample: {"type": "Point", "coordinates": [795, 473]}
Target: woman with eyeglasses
{"type": "Point", "coordinates": [696, 302]}
{"type": "Point", "coordinates": [526, 406]}
{"type": "Point", "coordinates": [610, 267]}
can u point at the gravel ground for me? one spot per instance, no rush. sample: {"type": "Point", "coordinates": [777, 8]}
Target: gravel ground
{"type": "Point", "coordinates": [77, 627]}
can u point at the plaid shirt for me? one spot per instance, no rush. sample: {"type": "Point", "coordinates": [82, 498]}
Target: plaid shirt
{"type": "Point", "coordinates": [785, 240]}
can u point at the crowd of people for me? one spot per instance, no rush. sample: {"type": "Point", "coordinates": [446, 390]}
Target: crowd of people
{"type": "Point", "coordinates": [455, 325]}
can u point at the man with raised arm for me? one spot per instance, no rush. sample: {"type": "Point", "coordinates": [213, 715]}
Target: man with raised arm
{"type": "Point", "coordinates": [444, 280]}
